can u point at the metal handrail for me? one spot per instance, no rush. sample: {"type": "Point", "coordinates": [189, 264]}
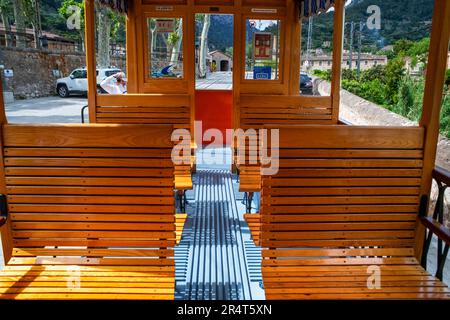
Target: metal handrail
{"type": "Point", "coordinates": [82, 113]}
{"type": "Point", "coordinates": [435, 223]}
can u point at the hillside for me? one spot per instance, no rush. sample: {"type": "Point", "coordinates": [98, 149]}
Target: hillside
{"type": "Point", "coordinates": [400, 19]}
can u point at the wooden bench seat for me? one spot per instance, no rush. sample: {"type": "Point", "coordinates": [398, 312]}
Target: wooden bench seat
{"type": "Point", "coordinates": [336, 275]}
{"type": "Point", "coordinates": [180, 220]}
{"type": "Point", "coordinates": [254, 223]}
{"type": "Point", "coordinates": [91, 205]}
{"type": "Point", "coordinates": [74, 281]}
{"type": "Point", "coordinates": [249, 178]}
{"type": "Point", "coordinates": [344, 203]}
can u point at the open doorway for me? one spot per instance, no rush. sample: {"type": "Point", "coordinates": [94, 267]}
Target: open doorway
{"type": "Point", "coordinates": [214, 74]}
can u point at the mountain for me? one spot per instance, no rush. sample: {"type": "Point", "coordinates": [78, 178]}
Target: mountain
{"type": "Point", "coordinates": [400, 19]}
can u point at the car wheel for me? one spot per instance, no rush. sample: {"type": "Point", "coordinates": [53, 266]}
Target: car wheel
{"type": "Point", "coordinates": [63, 92]}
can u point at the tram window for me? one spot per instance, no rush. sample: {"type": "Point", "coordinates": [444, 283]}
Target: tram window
{"type": "Point", "coordinates": [214, 51]}
{"type": "Point", "coordinates": [316, 54]}
{"type": "Point", "coordinates": [262, 51]}
{"type": "Point", "coordinates": [165, 48]}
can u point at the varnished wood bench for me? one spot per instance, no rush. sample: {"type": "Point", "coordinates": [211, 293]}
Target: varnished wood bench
{"type": "Point", "coordinates": [180, 220]}
{"type": "Point", "coordinates": [170, 109]}
{"type": "Point", "coordinates": [254, 224]}
{"type": "Point", "coordinates": [342, 208]}
{"type": "Point", "coordinates": [249, 182]}
{"type": "Point", "coordinates": [91, 212]}
{"type": "Point", "coordinates": [257, 111]}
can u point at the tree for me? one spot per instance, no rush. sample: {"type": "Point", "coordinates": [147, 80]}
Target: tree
{"type": "Point", "coordinates": [19, 18]}
{"type": "Point", "coordinates": [405, 97]}
{"type": "Point", "coordinates": [103, 35]}
{"type": "Point", "coordinates": [174, 41]}
{"type": "Point", "coordinates": [67, 10]}
{"type": "Point", "coordinates": [204, 45]}
{"type": "Point", "coordinates": [376, 72]}
{"type": "Point", "coordinates": [5, 14]}
{"type": "Point", "coordinates": [402, 46]}
{"type": "Point", "coordinates": [31, 11]}
{"type": "Point", "coordinates": [394, 73]}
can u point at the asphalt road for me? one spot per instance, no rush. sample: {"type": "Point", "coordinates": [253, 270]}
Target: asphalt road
{"type": "Point", "coordinates": [46, 110]}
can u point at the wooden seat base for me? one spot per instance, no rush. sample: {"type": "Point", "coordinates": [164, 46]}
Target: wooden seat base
{"type": "Point", "coordinates": [180, 220]}
{"type": "Point", "coordinates": [249, 179]}
{"type": "Point", "coordinates": [254, 223]}
{"type": "Point", "coordinates": [333, 279]}
{"type": "Point", "coordinates": [63, 282]}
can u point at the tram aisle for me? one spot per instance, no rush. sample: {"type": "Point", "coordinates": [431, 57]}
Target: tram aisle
{"type": "Point", "coordinates": [214, 259]}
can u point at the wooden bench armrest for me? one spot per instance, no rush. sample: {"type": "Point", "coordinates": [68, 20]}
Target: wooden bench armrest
{"type": "Point", "coordinates": [437, 228]}
{"type": "Point", "coordinates": [442, 175]}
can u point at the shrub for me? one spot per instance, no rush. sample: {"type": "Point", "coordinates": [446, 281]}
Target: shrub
{"type": "Point", "coordinates": [325, 75]}
{"type": "Point", "coordinates": [445, 115]}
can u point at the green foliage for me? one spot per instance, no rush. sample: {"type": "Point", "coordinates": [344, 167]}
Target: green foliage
{"type": "Point", "coordinates": [401, 19]}
{"type": "Point", "coordinates": [372, 90]}
{"type": "Point", "coordinates": [229, 51]}
{"type": "Point", "coordinates": [402, 46]}
{"type": "Point", "coordinates": [349, 74]}
{"type": "Point", "coordinates": [445, 115]}
{"type": "Point", "coordinates": [405, 97]}
{"type": "Point", "coordinates": [173, 38]}
{"type": "Point", "coordinates": [65, 11]}
{"type": "Point", "coordinates": [447, 78]}
{"type": "Point", "coordinates": [394, 73]}
{"type": "Point", "coordinates": [6, 7]}
{"type": "Point", "coordinates": [325, 75]}
{"type": "Point", "coordinates": [375, 73]}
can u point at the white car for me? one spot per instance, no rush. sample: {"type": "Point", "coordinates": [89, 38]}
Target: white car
{"type": "Point", "coordinates": [76, 82]}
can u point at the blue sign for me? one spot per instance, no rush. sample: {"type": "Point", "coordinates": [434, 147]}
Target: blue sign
{"type": "Point", "coordinates": [262, 73]}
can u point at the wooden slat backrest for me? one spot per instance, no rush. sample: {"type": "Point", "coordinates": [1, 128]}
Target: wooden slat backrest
{"type": "Point", "coordinates": [87, 194]}
{"type": "Point", "coordinates": [150, 108]}
{"type": "Point", "coordinates": [342, 187]}
{"type": "Point", "coordinates": [257, 111]}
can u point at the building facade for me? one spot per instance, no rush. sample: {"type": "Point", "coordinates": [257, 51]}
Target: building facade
{"type": "Point", "coordinates": [324, 62]}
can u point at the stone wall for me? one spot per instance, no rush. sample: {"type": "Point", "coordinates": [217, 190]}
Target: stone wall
{"type": "Point", "coordinates": [36, 71]}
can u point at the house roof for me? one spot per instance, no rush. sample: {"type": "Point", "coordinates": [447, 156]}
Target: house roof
{"type": "Point", "coordinates": [221, 52]}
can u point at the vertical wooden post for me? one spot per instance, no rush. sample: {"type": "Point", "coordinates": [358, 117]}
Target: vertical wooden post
{"type": "Point", "coordinates": [89, 18]}
{"type": "Point", "coordinates": [189, 62]}
{"type": "Point", "coordinates": [296, 29]}
{"type": "Point", "coordinates": [5, 230]}
{"type": "Point", "coordinates": [432, 100]}
{"type": "Point", "coordinates": [132, 84]}
{"type": "Point", "coordinates": [238, 62]}
{"type": "Point", "coordinates": [338, 35]}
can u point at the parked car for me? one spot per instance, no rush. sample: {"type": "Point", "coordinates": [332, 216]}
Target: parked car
{"type": "Point", "coordinates": [76, 82]}
{"type": "Point", "coordinates": [306, 84]}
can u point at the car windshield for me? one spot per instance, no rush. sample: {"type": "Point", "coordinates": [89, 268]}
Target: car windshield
{"type": "Point", "coordinates": [304, 78]}
{"type": "Point", "coordinates": [111, 72]}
